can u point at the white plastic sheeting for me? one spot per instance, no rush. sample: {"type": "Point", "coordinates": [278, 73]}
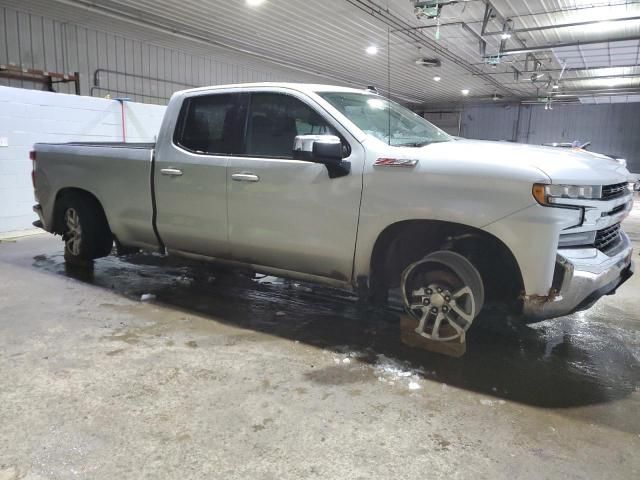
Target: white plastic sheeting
{"type": "Point", "coordinates": [30, 116]}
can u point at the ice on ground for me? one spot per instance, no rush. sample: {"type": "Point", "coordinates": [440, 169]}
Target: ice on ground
{"type": "Point", "coordinates": [390, 371]}
{"type": "Point", "coordinates": [389, 367]}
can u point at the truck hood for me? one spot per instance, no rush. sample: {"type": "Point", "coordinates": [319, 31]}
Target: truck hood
{"type": "Point", "coordinates": [562, 166]}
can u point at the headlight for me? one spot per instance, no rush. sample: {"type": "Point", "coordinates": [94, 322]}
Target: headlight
{"type": "Point", "coordinates": [549, 194]}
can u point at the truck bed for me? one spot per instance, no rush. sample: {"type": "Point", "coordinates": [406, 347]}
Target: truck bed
{"type": "Point", "coordinates": [118, 174]}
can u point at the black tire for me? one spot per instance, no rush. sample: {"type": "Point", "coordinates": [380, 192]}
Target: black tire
{"type": "Point", "coordinates": [84, 228]}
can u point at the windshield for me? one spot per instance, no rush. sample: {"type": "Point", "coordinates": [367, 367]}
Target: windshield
{"type": "Point", "coordinates": [386, 120]}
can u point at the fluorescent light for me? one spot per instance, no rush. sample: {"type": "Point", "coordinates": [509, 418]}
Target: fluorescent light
{"type": "Point", "coordinates": [465, 91]}
{"type": "Point", "coordinates": [255, 3]}
{"type": "Point", "coordinates": [372, 50]}
{"type": "Point", "coordinates": [556, 86]}
{"type": "Point", "coordinates": [436, 79]}
{"type": "Point", "coordinates": [505, 36]}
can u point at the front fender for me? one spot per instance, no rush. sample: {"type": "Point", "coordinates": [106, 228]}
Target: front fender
{"type": "Point", "coordinates": [532, 236]}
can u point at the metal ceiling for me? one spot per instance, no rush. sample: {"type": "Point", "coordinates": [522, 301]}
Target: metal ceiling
{"type": "Point", "coordinates": [328, 39]}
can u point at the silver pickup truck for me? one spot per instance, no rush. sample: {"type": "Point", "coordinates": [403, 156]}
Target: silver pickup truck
{"type": "Point", "coordinates": [343, 187]}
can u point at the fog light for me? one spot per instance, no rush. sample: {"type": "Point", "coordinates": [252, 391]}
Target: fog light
{"type": "Point", "coordinates": [577, 239]}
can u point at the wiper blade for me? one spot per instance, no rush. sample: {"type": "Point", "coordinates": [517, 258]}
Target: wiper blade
{"type": "Point", "coordinates": [414, 144]}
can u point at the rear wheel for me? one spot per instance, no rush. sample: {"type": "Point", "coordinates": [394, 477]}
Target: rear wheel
{"type": "Point", "coordinates": [84, 228]}
{"type": "Point", "coordinates": [445, 293]}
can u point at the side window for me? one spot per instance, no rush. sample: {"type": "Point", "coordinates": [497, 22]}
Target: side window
{"type": "Point", "coordinates": [208, 124]}
{"type": "Point", "coordinates": [275, 120]}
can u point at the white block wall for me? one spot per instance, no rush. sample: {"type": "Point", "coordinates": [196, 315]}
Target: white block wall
{"type": "Point", "coordinates": [31, 116]}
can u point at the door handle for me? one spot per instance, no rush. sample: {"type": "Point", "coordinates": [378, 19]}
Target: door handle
{"type": "Point", "coordinates": [245, 177]}
{"type": "Point", "coordinates": [171, 172]}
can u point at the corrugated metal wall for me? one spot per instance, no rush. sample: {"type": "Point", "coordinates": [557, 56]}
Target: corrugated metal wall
{"type": "Point", "coordinates": [126, 67]}
{"type": "Point", "coordinates": [611, 128]}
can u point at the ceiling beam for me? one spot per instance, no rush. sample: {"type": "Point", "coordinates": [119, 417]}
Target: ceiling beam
{"type": "Point", "coordinates": [542, 48]}
{"type": "Point", "coordinates": [596, 92]}
{"type": "Point", "coordinates": [557, 70]}
{"type": "Point", "coordinates": [563, 25]}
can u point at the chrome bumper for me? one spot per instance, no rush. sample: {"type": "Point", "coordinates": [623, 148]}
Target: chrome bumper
{"type": "Point", "coordinates": [586, 275]}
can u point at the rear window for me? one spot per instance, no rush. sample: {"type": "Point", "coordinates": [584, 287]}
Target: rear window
{"type": "Point", "coordinates": [208, 124]}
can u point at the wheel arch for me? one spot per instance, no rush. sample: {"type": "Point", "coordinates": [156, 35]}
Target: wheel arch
{"type": "Point", "coordinates": [57, 210]}
{"type": "Point", "coordinates": [407, 241]}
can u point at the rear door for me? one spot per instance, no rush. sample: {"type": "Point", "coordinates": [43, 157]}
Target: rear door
{"type": "Point", "coordinates": [286, 213]}
{"type": "Point", "coordinates": [190, 175]}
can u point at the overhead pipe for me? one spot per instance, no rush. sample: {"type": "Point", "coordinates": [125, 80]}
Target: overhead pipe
{"type": "Point", "coordinates": [98, 71]}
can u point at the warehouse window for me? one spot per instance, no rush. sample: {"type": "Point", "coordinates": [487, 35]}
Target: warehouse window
{"type": "Point", "coordinates": [208, 124]}
{"type": "Point", "coordinates": [275, 120]}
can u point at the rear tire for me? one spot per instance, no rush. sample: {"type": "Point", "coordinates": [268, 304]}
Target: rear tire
{"type": "Point", "coordinates": [84, 229]}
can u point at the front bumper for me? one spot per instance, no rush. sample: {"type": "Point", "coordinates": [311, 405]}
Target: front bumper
{"type": "Point", "coordinates": [585, 275]}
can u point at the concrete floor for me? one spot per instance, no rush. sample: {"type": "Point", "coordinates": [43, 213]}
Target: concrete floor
{"type": "Point", "coordinates": [226, 377]}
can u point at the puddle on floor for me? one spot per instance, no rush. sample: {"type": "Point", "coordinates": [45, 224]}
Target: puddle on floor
{"type": "Point", "coordinates": [589, 358]}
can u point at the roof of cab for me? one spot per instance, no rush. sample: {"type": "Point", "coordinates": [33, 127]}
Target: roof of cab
{"type": "Point", "coordinates": [301, 87]}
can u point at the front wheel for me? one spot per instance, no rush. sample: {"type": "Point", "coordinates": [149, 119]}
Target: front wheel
{"type": "Point", "coordinates": [444, 293]}
{"type": "Point", "coordinates": [84, 228]}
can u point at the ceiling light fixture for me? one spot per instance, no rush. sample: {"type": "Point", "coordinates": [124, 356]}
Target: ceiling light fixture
{"type": "Point", "coordinates": [505, 36]}
{"type": "Point", "coordinates": [436, 79]}
{"type": "Point", "coordinates": [555, 86]}
{"type": "Point", "coordinates": [465, 91]}
{"type": "Point", "coordinates": [255, 3]}
{"type": "Point", "coordinates": [372, 50]}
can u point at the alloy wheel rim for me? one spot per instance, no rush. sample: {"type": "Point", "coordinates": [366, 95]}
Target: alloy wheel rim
{"type": "Point", "coordinates": [74, 231]}
{"type": "Point", "coordinates": [442, 314]}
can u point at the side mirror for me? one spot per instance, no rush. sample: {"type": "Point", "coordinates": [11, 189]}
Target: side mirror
{"type": "Point", "coordinates": [325, 149]}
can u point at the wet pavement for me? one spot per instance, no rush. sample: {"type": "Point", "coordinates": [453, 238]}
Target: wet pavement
{"type": "Point", "coordinates": [219, 374]}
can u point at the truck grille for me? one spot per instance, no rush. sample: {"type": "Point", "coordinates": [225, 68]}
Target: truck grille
{"type": "Point", "coordinates": [607, 237]}
{"type": "Point", "coordinates": [615, 190]}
